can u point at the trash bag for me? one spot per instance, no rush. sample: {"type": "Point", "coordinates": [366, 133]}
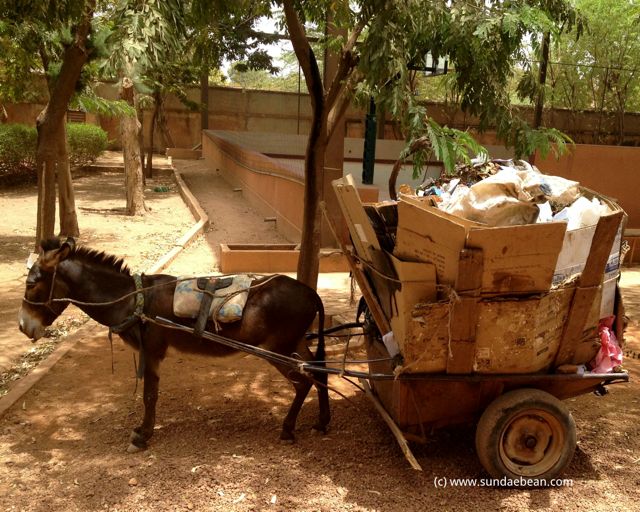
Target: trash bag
{"type": "Point", "coordinates": [498, 200]}
{"type": "Point", "coordinates": [609, 357]}
{"type": "Point", "coordinates": [582, 213]}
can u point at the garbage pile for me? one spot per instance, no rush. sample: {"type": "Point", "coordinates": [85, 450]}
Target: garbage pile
{"type": "Point", "coordinates": [509, 193]}
{"type": "Point", "coordinates": [480, 272]}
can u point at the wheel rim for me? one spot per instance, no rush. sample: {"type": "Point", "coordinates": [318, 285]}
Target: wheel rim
{"type": "Point", "coordinates": [532, 442]}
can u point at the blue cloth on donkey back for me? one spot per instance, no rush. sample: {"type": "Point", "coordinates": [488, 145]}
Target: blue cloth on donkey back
{"type": "Point", "coordinates": [227, 305]}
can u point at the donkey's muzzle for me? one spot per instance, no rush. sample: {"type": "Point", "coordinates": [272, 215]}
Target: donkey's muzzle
{"type": "Point", "coordinates": [30, 326]}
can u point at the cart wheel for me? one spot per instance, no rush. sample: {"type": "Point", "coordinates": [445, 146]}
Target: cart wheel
{"type": "Point", "coordinates": [526, 433]}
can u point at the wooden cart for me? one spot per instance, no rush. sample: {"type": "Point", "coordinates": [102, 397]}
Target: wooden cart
{"type": "Point", "coordinates": [524, 430]}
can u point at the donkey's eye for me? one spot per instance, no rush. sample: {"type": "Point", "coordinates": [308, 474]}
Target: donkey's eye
{"type": "Point", "coordinates": [33, 277]}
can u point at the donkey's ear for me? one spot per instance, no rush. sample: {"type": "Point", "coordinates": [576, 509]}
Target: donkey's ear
{"type": "Point", "coordinates": [65, 249]}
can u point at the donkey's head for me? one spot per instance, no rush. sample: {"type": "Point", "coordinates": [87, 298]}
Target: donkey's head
{"type": "Point", "coordinates": [39, 309]}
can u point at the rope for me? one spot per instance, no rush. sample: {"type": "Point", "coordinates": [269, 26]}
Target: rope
{"type": "Point", "coordinates": [228, 296]}
{"type": "Point", "coordinates": [452, 299]}
{"type": "Point", "coordinates": [130, 294]}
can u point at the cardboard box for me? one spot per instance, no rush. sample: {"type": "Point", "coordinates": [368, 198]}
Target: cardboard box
{"type": "Point", "coordinates": [517, 259]}
{"type": "Point", "coordinates": [520, 336]}
{"type": "Point", "coordinates": [425, 345]}
{"type": "Point", "coordinates": [362, 233]}
{"type": "Point", "coordinates": [428, 234]}
{"type": "Point", "coordinates": [417, 285]}
{"type": "Point", "coordinates": [512, 336]}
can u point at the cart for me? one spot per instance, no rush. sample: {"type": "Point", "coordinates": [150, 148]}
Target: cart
{"type": "Point", "coordinates": [524, 431]}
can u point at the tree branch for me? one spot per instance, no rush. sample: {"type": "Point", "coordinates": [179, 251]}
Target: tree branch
{"type": "Point", "coordinates": [342, 104]}
{"type": "Point", "coordinates": [303, 50]}
{"type": "Point", "coordinates": [347, 62]}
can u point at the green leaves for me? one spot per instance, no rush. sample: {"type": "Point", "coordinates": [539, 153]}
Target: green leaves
{"type": "Point", "coordinates": [90, 102]}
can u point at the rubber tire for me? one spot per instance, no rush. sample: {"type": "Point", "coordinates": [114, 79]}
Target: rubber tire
{"type": "Point", "coordinates": [498, 415]}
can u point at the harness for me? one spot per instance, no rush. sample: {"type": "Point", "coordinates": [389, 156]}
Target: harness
{"type": "Point", "coordinates": [134, 322]}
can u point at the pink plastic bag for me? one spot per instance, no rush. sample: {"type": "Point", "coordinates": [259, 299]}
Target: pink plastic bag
{"type": "Point", "coordinates": [609, 356]}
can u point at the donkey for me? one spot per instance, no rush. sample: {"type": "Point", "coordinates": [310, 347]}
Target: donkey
{"type": "Point", "coordinates": [278, 312]}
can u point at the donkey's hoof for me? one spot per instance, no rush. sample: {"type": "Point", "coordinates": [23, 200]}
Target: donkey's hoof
{"type": "Point", "coordinates": [287, 437]}
{"type": "Point", "coordinates": [137, 440]}
{"type": "Point", "coordinates": [320, 430]}
{"type": "Point", "coordinates": [132, 448]}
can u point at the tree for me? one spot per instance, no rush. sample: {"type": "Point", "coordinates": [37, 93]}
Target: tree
{"type": "Point", "coordinates": [483, 41]}
{"type": "Point", "coordinates": [59, 32]}
{"type": "Point", "coordinates": [220, 31]}
{"type": "Point", "coordinates": [601, 70]}
{"type": "Point", "coordinates": [146, 34]}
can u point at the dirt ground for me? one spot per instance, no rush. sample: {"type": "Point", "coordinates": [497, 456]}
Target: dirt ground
{"type": "Point", "coordinates": [63, 445]}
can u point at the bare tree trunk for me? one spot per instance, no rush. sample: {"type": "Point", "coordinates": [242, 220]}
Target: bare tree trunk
{"type": "Point", "coordinates": [66, 197]}
{"type": "Point", "coordinates": [165, 135]}
{"type": "Point", "coordinates": [157, 103]}
{"type": "Point", "coordinates": [46, 171]}
{"type": "Point", "coordinates": [49, 123]}
{"type": "Point", "coordinates": [140, 116]}
{"type": "Point", "coordinates": [204, 98]}
{"type": "Point", "coordinates": [542, 79]}
{"type": "Point", "coordinates": [308, 264]}
{"type": "Point", "coordinates": [134, 179]}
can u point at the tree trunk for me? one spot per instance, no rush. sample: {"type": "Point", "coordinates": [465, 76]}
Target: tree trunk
{"type": "Point", "coordinates": [140, 116]}
{"type": "Point", "coordinates": [157, 103]}
{"type": "Point", "coordinates": [165, 135]}
{"type": "Point", "coordinates": [542, 79]}
{"type": "Point", "coordinates": [133, 176]}
{"type": "Point", "coordinates": [49, 124]}
{"type": "Point", "coordinates": [204, 98]}
{"type": "Point", "coordinates": [46, 170]}
{"type": "Point", "coordinates": [66, 197]}
{"type": "Point", "coordinates": [308, 264]}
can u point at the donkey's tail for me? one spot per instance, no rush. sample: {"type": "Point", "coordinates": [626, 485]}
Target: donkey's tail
{"type": "Point", "coordinates": [321, 377]}
{"type": "Point", "coordinates": [320, 352]}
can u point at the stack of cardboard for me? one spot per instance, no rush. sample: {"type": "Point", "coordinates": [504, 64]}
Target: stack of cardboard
{"type": "Point", "coordinates": [461, 297]}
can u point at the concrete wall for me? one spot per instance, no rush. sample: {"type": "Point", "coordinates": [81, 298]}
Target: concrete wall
{"type": "Point", "coordinates": [274, 187]}
{"type": "Point", "coordinates": [610, 170]}
{"type": "Point", "coordinates": [282, 112]}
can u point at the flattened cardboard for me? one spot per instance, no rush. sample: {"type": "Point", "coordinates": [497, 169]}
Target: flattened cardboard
{"type": "Point", "coordinates": [462, 348]}
{"type": "Point", "coordinates": [518, 259]}
{"type": "Point", "coordinates": [417, 284]}
{"type": "Point", "coordinates": [429, 235]}
{"type": "Point", "coordinates": [425, 346]}
{"type": "Point", "coordinates": [589, 344]}
{"type": "Point", "coordinates": [589, 286]}
{"type": "Point", "coordinates": [520, 336]}
{"type": "Point", "coordinates": [362, 233]}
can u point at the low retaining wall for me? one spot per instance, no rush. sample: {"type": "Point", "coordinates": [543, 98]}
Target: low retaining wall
{"type": "Point", "coordinates": [273, 188]}
{"type": "Point", "coordinates": [274, 258]}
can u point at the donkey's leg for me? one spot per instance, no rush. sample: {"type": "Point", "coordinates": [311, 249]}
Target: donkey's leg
{"type": "Point", "coordinates": [323, 400]}
{"type": "Point", "coordinates": [143, 433]}
{"type": "Point", "coordinates": [302, 385]}
{"type": "Point", "coordinates": [321, 381]}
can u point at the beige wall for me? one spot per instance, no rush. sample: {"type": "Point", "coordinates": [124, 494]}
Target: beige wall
{"type": "Point", "coordinates": [271, 187]}
{"type": "Point", "coordinates": [610, 170]}
{"type": "Point", "coordinates": [275, 188]}
{"type": "Point", "coordinates": [280, 112]}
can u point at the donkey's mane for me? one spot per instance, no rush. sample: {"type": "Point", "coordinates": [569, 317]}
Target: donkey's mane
{"type": "Point", "coordinates": [89, 255]}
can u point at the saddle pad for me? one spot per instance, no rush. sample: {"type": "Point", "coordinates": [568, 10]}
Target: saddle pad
{"type": "Point", "coordinates": [228, 302]}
